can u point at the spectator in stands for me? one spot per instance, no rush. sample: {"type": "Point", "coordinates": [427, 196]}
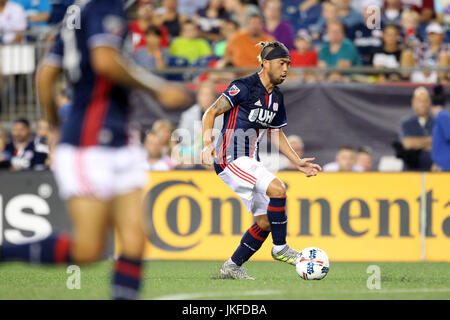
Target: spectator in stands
{"type": "Point", "coordinates": [4, 162]}
{"type": "Point", "coordinates": [282, 31]}
{"type": "Point", "coordinates": [366, 35]}
{"type": "Point", "coordinates": [319, 30]}
{"type": "Point", "coordinates": [241, 11]}
{"type": "Point", "coordinates": [13, 22]}
{"type": "Point", "coordinates": [425, 8]}
{"type": "Point", "coordinates": [415, 133]}
{"type": "Point", "coordinates": [242, 49]}
{"type": "Point", "coordinates": [432, 53]}
{"type": "Point", "coordinates": [58, 10]}
{"type": "Point", "coordinates": [297, 144]}
{"type": "Point", "coordinates": [349, 16]}
{"type": "Point", "coordinates": [157, 160]}
{"type": "Point", "coordinates": [345, 161]}
{"type": "Point", "coordinates": [37, 11]}
{"type": "Point", "coordinates": [388, 55]}
{"type": "Point", "coordinates": [42, 139]}
{"type": "Point", "coordinates": [188, 8]}
{"type": "Point", "coordinates": [364, 162]}
{"type": "Point", "coordinates": [164, 129]}
{"type": "Point", "coordinates": [410, 29]}
{"type": "Point", "coordinates": [303, 55]}
{"type": "Point", "coordinates": [168, 16]}
{"type": "Point", "coordinates": [139, 27]}
{"type": "Point", "coordinates": [391, 13]}
{"type": "Point", "coordinates": [210, 19]}
{"type": "Point", "coordinates": [228, 29]}
{"type": "Point", "coordinates": [189, 45]}
{"type": "Point", "coordinates": [301, 14]}
{"type": "Point", "coordinates": [339, 51]}
{"type": "Point", "coordinates": [152, 56]}
{"type": "Point", "coordinates": [440, 151]}
{"type": "Point", "coordinates": [22, 151]}
{"type": "Point", "coordinates": [190, 127]}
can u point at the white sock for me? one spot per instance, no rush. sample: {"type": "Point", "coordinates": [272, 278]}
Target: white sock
{"type": "Point", "coordinates": [278, 248]}
{"type": "Point", "coordinates": [230, 261]}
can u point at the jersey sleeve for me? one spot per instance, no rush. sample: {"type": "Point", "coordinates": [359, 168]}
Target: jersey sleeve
{"type": "Point", "coordinates": [106, 24]}
{"type": "Point", "coordinates": [236, 92]}
{"type": "Point", "coordinates": [280, 118]}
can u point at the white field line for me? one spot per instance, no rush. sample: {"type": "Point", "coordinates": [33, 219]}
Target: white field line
{"type": "Point", "coordinates": [197, 295]}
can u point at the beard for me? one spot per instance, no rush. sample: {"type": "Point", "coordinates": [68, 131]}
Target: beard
{"type": "Point", "coordinates": [275, 80]}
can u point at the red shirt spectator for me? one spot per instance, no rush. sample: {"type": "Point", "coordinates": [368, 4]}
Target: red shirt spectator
{"type": "Point", "coordinates": [138, 27]}
{"type": "Point", "coordinates": [303, 55]}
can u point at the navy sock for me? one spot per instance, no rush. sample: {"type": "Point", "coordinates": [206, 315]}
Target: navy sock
{"type": "Point", "coordinates": [276, 213]}
{"type": "Point", "coordinates": [126, 279]}
{"type": "Point", "coordinates": [51, 250]}
{"type": "Point", "coordinates": [250, 243]}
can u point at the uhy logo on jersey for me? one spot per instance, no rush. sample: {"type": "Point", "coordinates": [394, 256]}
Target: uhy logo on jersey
{"type": "Point", "coordinates": [262, 116]}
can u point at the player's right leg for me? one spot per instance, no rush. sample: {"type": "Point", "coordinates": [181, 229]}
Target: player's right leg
{"type": "Point", "coordinates": [129, 222]}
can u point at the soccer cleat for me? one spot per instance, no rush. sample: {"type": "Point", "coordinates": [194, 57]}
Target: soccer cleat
{"type": "Point", "coordinates": [231, 270]}
{"type": "Point", "coordinates": [287, 255]}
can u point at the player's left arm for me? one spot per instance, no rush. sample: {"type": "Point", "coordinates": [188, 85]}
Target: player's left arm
{"type": "Point", "coordinates": [46, 79]}
{"type": "Point", "coordinates": [305, 165]}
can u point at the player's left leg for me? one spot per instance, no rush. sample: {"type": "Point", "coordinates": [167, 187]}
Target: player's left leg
{"type": "Point", "coordinates": [276, 214]}
{"type": "Point", "coordinates": [128, 219]}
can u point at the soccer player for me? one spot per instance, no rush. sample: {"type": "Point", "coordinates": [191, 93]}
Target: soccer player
{"type": "Point", "coordinates": [252, 107]}
{"type": "Point", "coordinates": [98, 171]}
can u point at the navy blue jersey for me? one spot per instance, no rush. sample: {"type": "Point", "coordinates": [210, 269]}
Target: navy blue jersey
{"type": "Point", "coordinates": [254, 111]}
{"type": "Point", "coordinates": [32, 157]}
{"type": "Point", "coordinates": [100, 112]}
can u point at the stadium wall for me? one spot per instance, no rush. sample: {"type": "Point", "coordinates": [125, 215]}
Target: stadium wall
{"type": "Point", "coordinates": [194, 216]}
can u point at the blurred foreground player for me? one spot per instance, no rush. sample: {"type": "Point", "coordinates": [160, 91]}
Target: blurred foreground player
{"type": "Point", "coordinates": [98, 171]}
{"type": "Point", "coordinates": [252, 107]}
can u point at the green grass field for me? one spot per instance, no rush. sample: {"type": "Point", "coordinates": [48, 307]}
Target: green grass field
{"type": "Point", "coordinates": [199, 280]}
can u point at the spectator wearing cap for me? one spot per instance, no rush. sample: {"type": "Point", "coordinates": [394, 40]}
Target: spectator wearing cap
{"type": "Point", "coordinates": [415, 133]}
{"type": "Point", "coordinates": [189, 45]}
{"type": "Point", "coordinates": [13, 22]}
{"type": "Point", "coordinates": [388, 55]}
{"type": "Point", "coordinates": [37, 11]}
{"type": "Point", "coordinates": [339, 51]}
{"type": "Point", "coordinates": [434, 52]}
{"type": "Point", "coordinates": [145, 19]}
{"type": "Point", "coordinates": [22, 152]}
{"type": "Point", "coordinates": [242, 49]}
{"type": "Point", "coordinates": [303, 55]}
{"type": "Point", "coordinates": [282, 31]}
{"type": "Point", "coordinates": [152, 56]}
{"type": "Point", "coordinates": [440, 149]}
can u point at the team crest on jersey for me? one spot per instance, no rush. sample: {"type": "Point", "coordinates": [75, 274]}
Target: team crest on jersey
{"type": "Point", "coordinates": [234, 90]}
{"type": "Point", "coordinates": [275, 106]}
{"type": "Point", "coordinates": [262, 116]}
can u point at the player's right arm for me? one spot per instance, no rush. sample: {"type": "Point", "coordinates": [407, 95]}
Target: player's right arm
{"type": "Point", "coordinates": [109, 62]}
{"type": "Point", "coordinates": [220, 106]}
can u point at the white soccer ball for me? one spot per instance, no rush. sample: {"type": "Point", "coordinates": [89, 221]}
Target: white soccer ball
{"type": "Point", "coordinates": [313, 264]}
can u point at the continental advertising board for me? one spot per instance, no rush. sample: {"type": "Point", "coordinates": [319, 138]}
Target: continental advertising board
{"type": "Point", "coordinates": [353, 217]}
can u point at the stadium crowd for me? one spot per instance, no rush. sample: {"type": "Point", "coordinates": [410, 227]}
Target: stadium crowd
{"type": "Point", "coordinates": [224, 33]}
